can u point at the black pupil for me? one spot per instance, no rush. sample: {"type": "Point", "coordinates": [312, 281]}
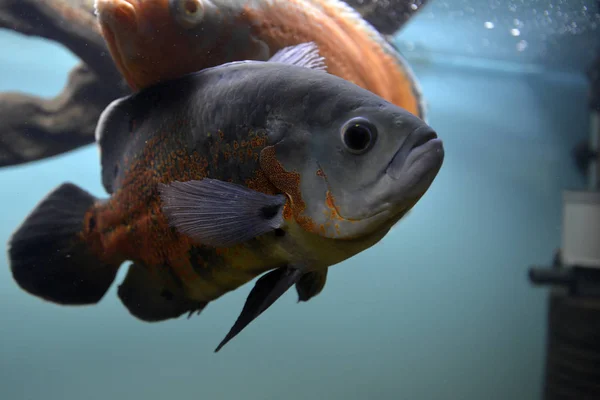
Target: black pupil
{"type": "Point", "coordinates": [357, 137]}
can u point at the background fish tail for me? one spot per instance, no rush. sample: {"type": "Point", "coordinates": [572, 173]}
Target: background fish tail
{"type": "Point", "coordinates": [49, 256]}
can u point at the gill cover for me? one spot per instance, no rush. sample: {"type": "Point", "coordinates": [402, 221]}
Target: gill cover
{"type": "Point", "coordinates": [293, 166]}
{"type": "Point", "coordinates": [300, 165]}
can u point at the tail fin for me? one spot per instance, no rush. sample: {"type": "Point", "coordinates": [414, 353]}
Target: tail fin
{"type": "Point", "coordinates": [48, 257]}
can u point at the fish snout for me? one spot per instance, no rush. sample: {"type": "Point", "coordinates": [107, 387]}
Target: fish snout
{"type": "Point", "coordinates": [117, 11]}
{"type": "Point", "coordinates": [414, 167]}
{"type": "Point", "coordinates": [421, 152]}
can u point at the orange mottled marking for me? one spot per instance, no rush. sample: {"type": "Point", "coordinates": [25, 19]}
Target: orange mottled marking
{"type": "Point", "coordinates": [333, 213]}
{"type": "Point", "coordinates": [131, 225]}
{"type": "Point", "coordinates": [261, 183]}
{"type": "Point", "coordinates": [330, 202]}
{"type": "Point", "coordinates": [288, 183]}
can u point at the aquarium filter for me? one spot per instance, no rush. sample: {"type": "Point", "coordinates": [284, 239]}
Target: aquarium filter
{"type": "Point", "coordinates": [573, 331]}
{"type": "Point", "coordinates": [581, 209]}
{"type": "Point", "coordinates": [594, 146]}
{"type": "Point", "coordinates": [581, 229]}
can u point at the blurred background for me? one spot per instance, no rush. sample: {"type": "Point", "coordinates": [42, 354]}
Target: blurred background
{"type": "Point", "coordinates": [440, 309]}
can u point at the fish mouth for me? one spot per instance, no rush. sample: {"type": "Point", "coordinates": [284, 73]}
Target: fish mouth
{"type": "Point", "coordinates": [117, 12]}
{"type": "Point", "coordinates": [414, 167]}
{"type": "Point", "coordinates": [118, 19]}
{"type": "Point", "coordinates": [406, 178]}
{"type": "Point", "coordinates": [422, 151]}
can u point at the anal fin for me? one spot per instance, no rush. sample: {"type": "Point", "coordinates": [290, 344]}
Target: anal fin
{"type": "Point", "coordinates": [266, 291]}
{"type": "Point", "coordinates": [311, 284]}
{"type": "Point", "coordinates": [154, 297]}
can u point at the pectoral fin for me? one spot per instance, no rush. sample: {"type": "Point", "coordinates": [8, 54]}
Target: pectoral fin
{"type": "Point", "coordinates": [265, 292]}
{"type": "Point", "coordinates": [220, 214]}
{"type": "Point", "coordinates": [311, 284]}
{"type": "Point", "coordinates": [152, 297]}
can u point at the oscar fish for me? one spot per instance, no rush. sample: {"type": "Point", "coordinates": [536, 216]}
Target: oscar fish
{"type": "Point", "coordinates": [269, 168]}
{"type": "Point", "coordinates": [152, 41]}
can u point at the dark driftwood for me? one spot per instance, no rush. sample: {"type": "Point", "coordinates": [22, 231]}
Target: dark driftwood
{"type": "Point", "coordinates": [33, 128]}
{"type": "Point", "coordinates": [69, 22]}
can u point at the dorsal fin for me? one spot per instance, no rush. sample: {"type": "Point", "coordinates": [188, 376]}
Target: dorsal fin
{"type": "Point", "coordinates": [303, 55]}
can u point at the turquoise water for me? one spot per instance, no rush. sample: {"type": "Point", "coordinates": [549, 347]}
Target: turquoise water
{"type": "Point", "coordinates": [440, 309]}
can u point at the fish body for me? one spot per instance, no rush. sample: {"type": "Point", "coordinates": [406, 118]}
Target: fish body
{"type": "Point", "coordinates": [156, 40]}
{"type": "Point", "coordinates": [222, 175]}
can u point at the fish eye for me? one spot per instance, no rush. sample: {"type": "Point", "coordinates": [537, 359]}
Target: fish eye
{"type": "Point", "coordinates": [358, 135]}
{"type": "Point", "coordinates": [188, 13]}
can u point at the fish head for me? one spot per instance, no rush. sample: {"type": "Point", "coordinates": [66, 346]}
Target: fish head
{"type": "Point", "coordinates": [152, 41]}
{"type": "Point", "coordinates": [356, 167]}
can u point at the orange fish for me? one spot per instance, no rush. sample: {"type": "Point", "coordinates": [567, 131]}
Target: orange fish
{"type": "Point", "coordinates": [245, 169]}
{"type": "Point", "coordinates": [156, 40]}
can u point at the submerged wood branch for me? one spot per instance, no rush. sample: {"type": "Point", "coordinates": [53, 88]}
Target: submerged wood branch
{"type": "Point", "coordinates": [69, 22]}
{"type": "Point", "coordinates": [34, 128]}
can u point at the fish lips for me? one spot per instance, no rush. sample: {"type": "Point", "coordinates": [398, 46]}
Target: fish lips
{"type": "Point", "coordinates": [417, 162]}
{"type": "Point", "coordinates": [117, 12]}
